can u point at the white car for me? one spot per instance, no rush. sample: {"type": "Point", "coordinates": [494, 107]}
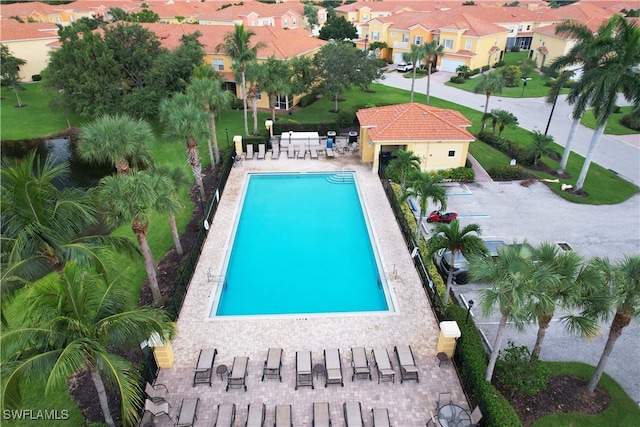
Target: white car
{"type": "Point", "coordinates": [404, 66]}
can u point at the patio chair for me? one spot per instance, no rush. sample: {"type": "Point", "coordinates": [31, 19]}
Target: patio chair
{"type": "Point", "coordinates": [408, 368]}
{"type": "Point", "coordinates": [275, 151]}
{"type": "Point", "coordinates": [290, 151]}
{"type": "Point", "coordinates": [432, 420]}
{"type": "Point", "coordinates": [255, 416]}
{"type": "Point", "coordinates": [333, 367]}
{"type": "Point", "coordinates": [204, 368]}
{"type": "Point", "coordinates": [187, 414]}
{"type": "Point", "coordinates": [353, 414]}
{"type": "Point", "coordinates": [330, 153]}
{"type": "Point", "coordinates": [238, 376]}
{"type": "Point", "coordinates": [381, 417]}
{"type": "Point", "coordinates": [359, 363]}
{"type": "Point", "coordinates": [157, 392]}
{"type": "Point", "coordinates": [313, 152]}
{"type": "Point", "coordinates": [302, 152]}
{"type": "Point", "coordinates": [383, 365]}
{"type": "Point", "coordinates": [261, 151]}
{"type": "Point", "coordinates": [226, 415]}
{"type": "Point", "coordinates": [249, 154]}
{"type": "Point", "coordinates": [157, 409]}
{"type": "Point", "coordinates": [321, 417]}
{"type": "Point", "coordinates": [273, 364]}
{"type": "Point", "coordinates": [476, 416]}
{"type": "Point", "coordinates": [304, 375]}
{"type": "Point", "coordinates": [284, 417]}
{"type": "Point", "coordinates": [443, 399]}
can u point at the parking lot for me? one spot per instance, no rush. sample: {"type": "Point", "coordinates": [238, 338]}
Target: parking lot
{"type": "Point", "coordinates": [513, 212]}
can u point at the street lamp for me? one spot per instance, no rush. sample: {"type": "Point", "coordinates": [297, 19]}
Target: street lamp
{"type": "Point", "coordinates": [524, 84]}
{"type": "Point", "coordinates": [226, 130]}
{"type": "Point", "coordinates": [468, 310]}
{"type": "Point", "coordinates": [269, 125]}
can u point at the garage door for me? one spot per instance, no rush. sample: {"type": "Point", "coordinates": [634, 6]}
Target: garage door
{"type": "Point", "coordinates": [397, 58]}
{"type": "Point", "coordinates": [450, 65]}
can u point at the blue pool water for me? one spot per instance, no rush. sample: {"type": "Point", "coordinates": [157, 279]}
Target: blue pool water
{"type": "Point", "coordinates": [301, 246]}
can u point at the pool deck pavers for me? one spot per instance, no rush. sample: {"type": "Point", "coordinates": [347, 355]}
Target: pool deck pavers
{"type": "Point", "coordinates": [412, 323]}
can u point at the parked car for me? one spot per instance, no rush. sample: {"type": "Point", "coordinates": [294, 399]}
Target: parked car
{"type": "Point", "coordinates": [404, 67]}
{"type": "Point", "coordinates": [461, 264]}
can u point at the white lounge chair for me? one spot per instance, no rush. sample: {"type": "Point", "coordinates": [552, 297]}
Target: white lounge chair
{"type": "Point", "coordinates": [275, 151]}
{"type": "Point", "coordinates": [238, 376]}
{"type": "Point", "coordinates": [290, 151]}
{"type": "Point", "coordinates": [408, 368]}
{"type": "Point", "coordinates": [359, 363]}
{"type": "Point", "coordinates": [249, 155]}
{"type": "Point", "coordinates": [226, 415]}
{"type": "Point", "coordinates": [204, 367]}
{"type": "Point", "coordinates": [157, 409]}
{"type": "Point", "coordinates": [313, 152]}
{"type": "Point", "coordinates": [321, 416]}
{"type": "Point", "coordinates": [353, 414]}
{"type": "Point", "coordinates": [284, 417]}
{"type": "Point", "coordinates": [302, 152]}
{"type": "Point", "coordinates": [261, 151]}
{"type": "Point", "coordinates": [188, 413]}
{"type": "Point", "coordinates": [304, 375]}
{"type": "Point", "coordinates": [255, 416]}
{"type": "Point", "coordinates": [273, 364]}
{"type": "Point", "coordinates": [333, 367]}
{"type": "Point", "coordinates": [381, 417]}
{"type": "Point", "coordinates": [383, 365]}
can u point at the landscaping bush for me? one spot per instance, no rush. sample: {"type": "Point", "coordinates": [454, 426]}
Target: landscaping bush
{"type": "Point", "coordinates": [499, 64]}
{"type": "Point", "coordinates": [511, 75]}
{"type": "Point", "coordinates": [457, 79]}
{"type": "Point", "coordinates": [346, 117]}
{"type": "Point", "coordinates": [522, 155]}
{"type": "Point", "coordinates": [308, 99]}
{"type": "Point", "coordinates": [506, 173]}
{"type": "Point", "coordinates": [485, 68]}
{"type": "Point", "coordinates": [461, 174]}
{"type": "Point", "coordinates": [518, 373]}
{"type": "Point", "coordinates": [630, 121]}
{"type": "Point", "coordinates": [496, 141]}
{"type": "Point", "coordinates": [474, 72]}
{"type": "Point", "coordinates": [36, 77]}
{"type": "Point", "coordinates": [616, 109]}
{"type": "Point", "coordinates": [515, 48]}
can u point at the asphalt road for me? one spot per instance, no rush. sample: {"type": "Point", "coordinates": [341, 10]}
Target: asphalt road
{"type": "Point", "coordinates": [512, 212]}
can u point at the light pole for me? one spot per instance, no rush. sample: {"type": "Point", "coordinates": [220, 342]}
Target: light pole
{"type": "Point", "coordinates": [226, 130]}
{"type": "Point", "coordinates": [468, 311]}
{"type": "Point", "coordinates": [524, 84]}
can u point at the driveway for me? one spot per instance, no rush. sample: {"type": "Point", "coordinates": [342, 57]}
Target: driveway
{"type": "Point", "coordinates": [513, 212]}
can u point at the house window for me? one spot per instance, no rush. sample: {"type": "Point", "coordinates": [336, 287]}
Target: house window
{"type": "Point", "coordinates": [519, 27]}
{"type": "Point", "coordinates": [467, 45]}
{"type": "Point", "coordinates": [511, 29]}
{"type": "Point", "coordinates": [375, 35]}
{"type": "Point", "coordinates": [448, 43]}
{"type": "Point", "coordinates": [217, 64]}
{"type": "Point", "coordinates": [405, 38]}
{"type": "Point", "coordinates": [393, 33]}
{"type": "Point", "coordinates": [365, 17]}
{"type": "Point", "coordinates": [286, 22]}
{"type": "Point", "coordinates": [294, 21]}
{"type": "Point", "coordinates": [452, 153]}
{"type": "Point", "coordinates": [528, 27]}
{"type": "Point", "coordinates": [417, 40]}
{"type": "Point", "coordinates": [283, 102]}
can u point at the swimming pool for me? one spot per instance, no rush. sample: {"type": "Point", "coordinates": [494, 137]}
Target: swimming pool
{"type": "Point", "coordinates": [301, 244]}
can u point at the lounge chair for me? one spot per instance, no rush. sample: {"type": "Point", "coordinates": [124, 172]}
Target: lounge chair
{"type": "Point", "coordinates": [188, 410]}
{"type": "Point", "coordinates": [226, 415]}
{"type": "Point", "coordinates": [157, 409]}
{"type": "Point", "coordinates": [255, 417]}
{"type": "Point", "coordinates": [204, 367]}
{"type": "Point", "coordinates": [408, 368]}
{"type": "Point", "coordinates": [304, 375]}
{"type": "Point", "coordinates": [238, 376]}
{"type": "Point", "coordinates": [157, 392]}
{"type": "Point", "coordinates": [359, 363]}
{"type": "Point", "coordinates": [249, 154]}
{"type": "Point", "coordinates": [333, 367]}
{"type": "Point", "coordinates": [261, 151]}
{"type": "Point", "coordinates": [353, 414]}
{"type": "Point", "coordinates": [302, 152]}
{"type": "Point", "coordinates": [290, 151]}
{"type": "Point", "coordinates": [383, 365]}
{"type": "Point", "coordinates": [444, 398]}
{"type": "Point", "coordinates": [273, 364]}
{"type": "Point", "coordinates": [313, 152]}
{"type": "Point", "coordinates": [330, 153]}
{"type": "Point", "coordinates": [321, 417]}
{"type": "Point", "coordinates": [284, 418]}
{"type": "Point", "coordinates": [381, 417]}
{"type": "Point", "coordinates": [275, 151]}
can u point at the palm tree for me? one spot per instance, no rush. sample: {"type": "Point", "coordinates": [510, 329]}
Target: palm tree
{"type": "Point", "coordinates": [489, 83]}
{"type": "Point", "coordinates": [541, 146]}
{"type": "Point", "coordinates": [449, 237]}
{"type": "Point", "coordinates": [504, 118]}
{"type": "Point", "coordinates": [432, 51]}
{"type": "Point", "coordinates": [576, 282]}
{"type": "Point", "coordinates": [414, 56]}
{"type": "Point", "coordinates": [401, 165]}
{"type": "Point", "coordinates": [621, 292]}
{"type": "Point", "coordinates": [119, 140]}
{"type": "Point", "coordinates": [131, 198]}
{"type": "Point", "coordinates": [236, 45]}
{"type": "Point", "coordinates": [552, 98]}
{"type": "Point", "coordinates": [207, 87]}
{"type": "Point", "coordinates": [167, 181]}
{"type": "Point", "coordinates": [277, 78]}
{"type": "Point", "coordinates": [78, 321]}
{"type": "Point", "coordinates": [43, 228]}
{"type": "Point", "coordinates": [184, 119]}
{"type": "Point", "coordinates": [608, 68]}
{"type": "Point", "coordinates": [255, 75]}
{"type": "Point", "coordinates": [424, 187]}
{"type": "Point", "coordinates": [515, 281]}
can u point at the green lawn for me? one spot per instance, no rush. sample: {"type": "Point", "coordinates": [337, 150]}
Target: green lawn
{"type": "Point", "coordinates": [613, 126]}
{"type": "Point", "coordinates": [622, 412]}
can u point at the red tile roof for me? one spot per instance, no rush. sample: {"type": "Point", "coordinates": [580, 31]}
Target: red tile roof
{"type": "Point", "coordinates": [12, 30]}
{"type": "Point", "coordinates": [25, 9]}
{"type": "Point", "coordinates": [414, 122]}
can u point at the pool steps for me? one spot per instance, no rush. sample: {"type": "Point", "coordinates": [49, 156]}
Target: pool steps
{"type": "Point", "coordinates": [341, 178]}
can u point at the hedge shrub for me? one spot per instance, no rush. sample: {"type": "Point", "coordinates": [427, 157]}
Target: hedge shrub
{"type": "Point", "coordinates": [631, 122]}
{"type": "Point", "coordinates": [36, 77]}
{"type": "Point", "coordinates": [506, 173]}
{"type": "Point", "coordinates": [515, 48]}
{"type": "Point", "coordinates": [485, 68]}
{"type": "Point", "coordinates": [346, 117]}
{"type": "Point", "coordinates": [474, 72]}
{"type": "Point", "coordinates": [308, 99]}
{"type": "Point", "coordinates": [461, 174]}
{"type": "Point", "coordinates": [457, 79]}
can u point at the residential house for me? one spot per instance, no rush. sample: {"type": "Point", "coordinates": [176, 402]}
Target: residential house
{"type": "Point", "coordinates": [437, 136]}
{"type": "Point", "coordinates": [32, 12]}
{"type": "Point", "coordinates": [28, 41]}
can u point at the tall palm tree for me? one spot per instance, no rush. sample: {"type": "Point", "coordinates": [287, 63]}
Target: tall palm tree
{"type": "Point", "coordinates": [515, 281]}
{"type": "Point", "coordinates": [79, 321]}
{"type": "Point", "coordinates": [255, 75]}
{"type": "Point", "coordinates": [167, 181]}
{"type": "Point", "coordinates": [414, 56]}
{"type": "Point", "coordinates": [432, 51]}
{"type": "Point", "coordinates": [277, 80]}
{"type": "Point", "coordinates": [424, 187]}
{"type": "Point", "coordinates": [541, 146]}
{"type": "Point", "coordinates": [119, 140]}
{"type": "Point", "coordinates": [621, 293]}
{"type": "Point", "coordinates": [208, 89]}
{"type": "Point", "coordinates": [184, 119]}
{"type": "Point", "coordinates": [504, 118]}
{"type": "Point", "coordinates": [131, 198]}
{"type": "Point", "coordinates": [449, 237]}
{"type": "Point", "coordinates": [236, 45]}
{"type": "Point", "coordinates": [401, 165]}
{"type": "Point", "coordinates": [43, 228]}
{"type": "Point", "coordinates": [577, 281]}
{"type": "Point", "coordinates": [489, 84]}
